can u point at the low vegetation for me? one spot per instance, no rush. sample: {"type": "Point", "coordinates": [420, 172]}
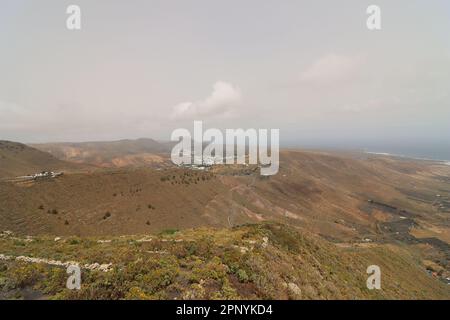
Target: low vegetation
{"type": "Point", "coordinates": [263, 261]}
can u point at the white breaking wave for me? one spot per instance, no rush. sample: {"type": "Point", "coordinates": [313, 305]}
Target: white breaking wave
{"type": "Point", "coordinates": [381, 153]}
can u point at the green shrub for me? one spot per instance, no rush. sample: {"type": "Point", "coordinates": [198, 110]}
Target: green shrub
{"type": "Point", "coordinates": [169, 231]}
{"type": "Point", "coordinates": [242, 276]}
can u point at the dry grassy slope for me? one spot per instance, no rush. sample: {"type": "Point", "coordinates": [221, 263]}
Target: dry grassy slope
{"type": "Point", "coordinates": [265, 261]}
{"type": "Point", "coordinates": [18, 159]}
{"type": "Point", "coordinates": [319, 192]}
{"type": "Point", "coordinates": [329, 193]}
{"type": "Point", "coordinates": [324, 193]}
{"type": "Point", "coordinates": [109, 202]}
{"type": "Point", "coordinates": [120, 153]}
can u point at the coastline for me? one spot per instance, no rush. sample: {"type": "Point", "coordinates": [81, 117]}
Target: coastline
{"type": "Point", "coordinates": [387, 154]}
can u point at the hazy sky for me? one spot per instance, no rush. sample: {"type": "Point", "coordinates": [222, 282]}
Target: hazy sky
{"type": "Point", "coordinates": [143, 68]}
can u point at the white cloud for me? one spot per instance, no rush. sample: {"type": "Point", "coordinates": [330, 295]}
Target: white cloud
{"type": "Point", "coordinates": [330, 68]}
{"type": "Point", "coordinates": [223, 100]}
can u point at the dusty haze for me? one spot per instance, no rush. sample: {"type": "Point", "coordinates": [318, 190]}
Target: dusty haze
{"type": "Point", "coordinates": [309, 68]}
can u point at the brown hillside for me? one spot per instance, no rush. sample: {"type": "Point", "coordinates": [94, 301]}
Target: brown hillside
{"type": "Point", "coordinates": [122, 153]}
{"type": "Point", "coordinates": [18, 159]}
{"type": "Point", "coordinates": [350, 200]}
{"type": "Point", "coordinates": [337, 196]}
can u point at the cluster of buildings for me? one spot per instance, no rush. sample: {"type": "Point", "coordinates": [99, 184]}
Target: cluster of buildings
{"type": "Point", "coordinates": [202, 162]}
{"type": "Point", "coordinates": [42, 175]}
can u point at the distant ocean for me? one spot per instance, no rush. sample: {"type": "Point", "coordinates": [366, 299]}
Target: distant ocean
{"type": "Point", "coordinates": [423, 153]}
{"type": "Point", "coordinates": [437, 151]}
